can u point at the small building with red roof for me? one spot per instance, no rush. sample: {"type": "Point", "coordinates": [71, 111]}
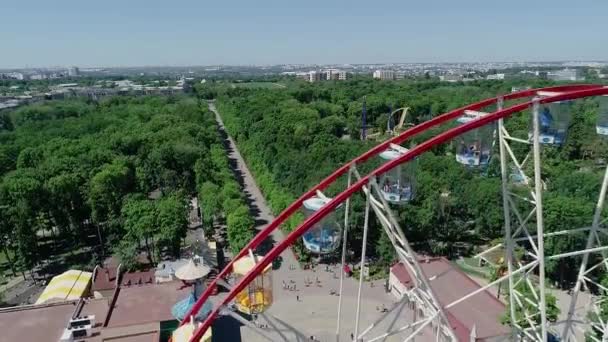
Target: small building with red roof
{"type": "Point", "coordinates": [475, 319]}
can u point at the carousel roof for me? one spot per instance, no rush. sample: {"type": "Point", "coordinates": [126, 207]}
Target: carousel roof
{"type": "Point", "coordinates": [192, 270]}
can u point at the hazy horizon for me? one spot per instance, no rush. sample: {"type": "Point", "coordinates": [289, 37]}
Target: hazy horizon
{"type": "Point", "coordinates": [38, 33]}
{"type": "Point", "coordinates": [278, 64]}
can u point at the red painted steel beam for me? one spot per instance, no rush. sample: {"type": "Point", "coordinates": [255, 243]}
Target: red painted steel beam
{"type": "Point", "coordinates": [285, 214]}
{"type": "Point", "coordinates": [294, 235]}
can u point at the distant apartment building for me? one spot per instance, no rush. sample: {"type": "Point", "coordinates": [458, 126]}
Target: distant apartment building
{"type": "Point", "coordinates": [324, 75]}
{"type": "Point", "coordinates": [384, 74]}
{"type": "Point", "coordinates": [38, 77]}
{"type": "Point", "coordinates": [495, 77]}
{"type": "Point", "coordinates": [331, 74]}
{"type": "Point", "coordinates": [314, 76]}
{"type": "Point", "coordinates": [451, 78]}
{"type": "Point", "coordinates": [73, 71]}
{"type": "Point", "coordinates": [565, 75]}
{"type": "Point", "coordinates": [12, 76]}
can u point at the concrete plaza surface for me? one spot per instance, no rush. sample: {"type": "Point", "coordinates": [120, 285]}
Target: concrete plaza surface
{"type": "Point", "coordinates": [315, 313]}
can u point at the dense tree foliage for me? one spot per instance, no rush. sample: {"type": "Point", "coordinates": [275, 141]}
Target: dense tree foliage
{"type": "Point", "coordinates": [526, 311]}
{"type": "Point", "coordinates": [117, 173]}
{"type": "Point", "coordinates": [295, 136]}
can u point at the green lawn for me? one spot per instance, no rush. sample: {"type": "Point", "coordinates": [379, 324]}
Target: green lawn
{"type": "Point", "coordinates": [469, 265]}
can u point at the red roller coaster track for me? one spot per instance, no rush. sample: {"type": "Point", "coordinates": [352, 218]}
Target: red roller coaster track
{"type": "Point", "coordinates": [569, 92]}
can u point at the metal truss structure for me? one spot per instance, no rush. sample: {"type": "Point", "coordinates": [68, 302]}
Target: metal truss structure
{"type": "Point", "coordinates": [524, 233]}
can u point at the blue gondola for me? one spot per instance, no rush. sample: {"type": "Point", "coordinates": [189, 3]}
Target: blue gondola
{"type": "Point", "coordinates": [397, 185]}
{"type": "Point", "coordinates": [601, 126]}
{"type": "Point", "coordinates": [474, 148]}
{"type": "Point", "coordinates": [324, 237]}
{"type": "Point", "coordinates": [553, 120]}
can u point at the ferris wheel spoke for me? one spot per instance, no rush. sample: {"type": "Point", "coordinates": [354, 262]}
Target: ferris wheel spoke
{"type": "Point", "coordinates": [343, 256]}
{"type": "Point", "coordinates": [399, 305]}
{"type": "Point", "coordinates": [299, 334]}
{"type": "Point", "coordinates": [526, 314]}
{"type": "Point", "coordinates": [592, 239]}
{"type": "Point", "coordinates": [248, 323]}
{"type": "Point", "coordinates": [410, 260]}
{"type": "Point", "coordinates": [275, 327]}
{"type": "Point", "coordinates": [362, 263]}
{"type": "Point", "coordinates": [420, 327]}
{"type": "Point", "coordinates": [397, 331]}
{"type": "Point", "coordinates": [404, 251]}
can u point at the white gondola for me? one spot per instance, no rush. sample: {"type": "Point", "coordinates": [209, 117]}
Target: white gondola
{"type": "Point", "coordinates": [324, 237]}
{"type": "Point", "coordinates": [601, 126]}
{"type": "Point", "coordinates": [397, 185]}
{"type": "Point", "coordinates": [553, 122]}
{"type": "Point", "coordinates": [474, 148]}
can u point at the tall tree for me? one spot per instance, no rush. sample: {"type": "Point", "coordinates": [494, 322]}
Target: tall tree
{"type": "Point", "coordinates": [172, 222]}
{"type": "Point", "coordinates": [140, 222]}
{"type": "Point", "coordinates": [240, 231]}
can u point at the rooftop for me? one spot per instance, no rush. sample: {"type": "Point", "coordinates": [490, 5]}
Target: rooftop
{"type": "Point", "coordinates": [449, 284]}
{"type": "Point", "coordinates": [136, 316]}
{"type": "Point", "coordinates": [146, 303]}
{"type": "Point", "coordinates": [46, 322]}
{"type": "Point", "coordinates": [105, 278]}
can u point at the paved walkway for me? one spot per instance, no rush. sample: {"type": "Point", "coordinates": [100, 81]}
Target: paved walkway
{"type": "Point", "coordinates": [256, 201]}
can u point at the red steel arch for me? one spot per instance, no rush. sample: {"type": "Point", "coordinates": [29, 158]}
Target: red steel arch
{"type": "Point", "coordinates": [569, 92]}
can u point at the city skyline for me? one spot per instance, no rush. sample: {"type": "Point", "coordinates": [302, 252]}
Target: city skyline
{"type": "Point", "coordinates": [188, 33]}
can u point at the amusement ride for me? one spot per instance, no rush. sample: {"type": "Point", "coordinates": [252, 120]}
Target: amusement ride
{"type": "Point", "coordinates": [474, 131]}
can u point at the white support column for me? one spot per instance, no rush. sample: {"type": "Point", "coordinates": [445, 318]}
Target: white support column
{"type": "Point", "coordinates": [539, 219]}
{"type": "Point", "coordinates": [419, 278]}
{"type": "Point", "coordinates": [344, 236]}
{"type": "Point", "coordinates": [582, 270]}
{"type": "Point", "coordinates": [362, 264]}
{"type": "Point", "coordinates": [507, 215]}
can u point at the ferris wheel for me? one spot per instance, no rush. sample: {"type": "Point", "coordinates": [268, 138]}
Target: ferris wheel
{"type": "Point", "coordinates": [476, 129]}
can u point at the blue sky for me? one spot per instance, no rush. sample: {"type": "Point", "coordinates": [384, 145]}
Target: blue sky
{"type": "Point", "coordinates": [200, 32]}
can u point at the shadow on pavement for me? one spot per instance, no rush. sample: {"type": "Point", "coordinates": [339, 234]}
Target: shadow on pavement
{"type": "Point", "coordinates": [226, 328]}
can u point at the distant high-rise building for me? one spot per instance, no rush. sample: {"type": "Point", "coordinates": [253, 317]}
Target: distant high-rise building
{"type": "Point", "coordinates": [73, 71]}
{"type": "Point", "coordinates": [565, 75]}
{"type": "Point", "coordinates": [384, 74]}
{"type": "Point", "coordinates": [451, 78]}
{"type": "Point", "coordinates": [38, 77]}
{"type": "Point", "coordinates": [12, 76]}
{"type": "Point", "coordinates": [332, 74]}
{"type": "Point", "coordinates": [324, 75]}
{"type": "Point", "coordinates": [495, 77]}
{"type": "Point", "coordinates": [314, 76]}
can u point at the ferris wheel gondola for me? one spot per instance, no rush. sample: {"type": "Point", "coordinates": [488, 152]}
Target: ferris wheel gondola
{"type": "Point", "coordinates": [325, 236]}
{"type": "Point", "coordinates": [474, 148]}
{"type": "Point", "coordinates": [397, 184]}
{"type": "Point", "coordinates": [554, 119]}
{"type": "Point", "coordinates": [601, 126]}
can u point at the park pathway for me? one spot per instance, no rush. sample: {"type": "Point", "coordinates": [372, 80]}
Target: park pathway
{"type": "Point", "coordinates": [255, 200]}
